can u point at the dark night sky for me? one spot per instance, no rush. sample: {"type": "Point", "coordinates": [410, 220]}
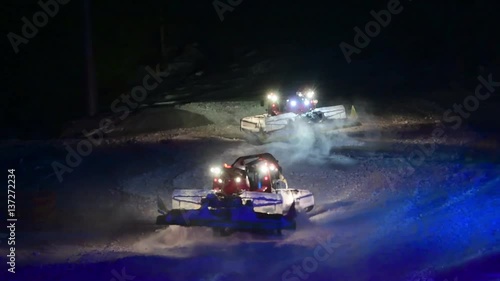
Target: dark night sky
{"type": "Point", "coordinates": [45, 80]}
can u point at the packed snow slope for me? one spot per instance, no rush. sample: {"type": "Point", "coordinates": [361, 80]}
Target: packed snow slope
{"type": "Point", "coordinates": [381, 213]}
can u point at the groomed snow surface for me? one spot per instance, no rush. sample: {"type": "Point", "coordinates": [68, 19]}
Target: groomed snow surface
{"type": "Point", "coordinates": [379, 214]}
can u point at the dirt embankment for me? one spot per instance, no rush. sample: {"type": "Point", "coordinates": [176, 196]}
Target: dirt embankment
{"type": "Point", "coordinates": [194, 119]}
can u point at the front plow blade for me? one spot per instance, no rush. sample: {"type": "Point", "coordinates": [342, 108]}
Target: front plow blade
{"type": "Point", "coordinates": [237, 219]}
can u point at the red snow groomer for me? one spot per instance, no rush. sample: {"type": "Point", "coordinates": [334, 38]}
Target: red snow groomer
{"type": "Point", "coordinates": [249, 173]}
{"type": "Point", "coordinates": [249, 195]}
{"type": "Point", "coordinates": [283, 112]}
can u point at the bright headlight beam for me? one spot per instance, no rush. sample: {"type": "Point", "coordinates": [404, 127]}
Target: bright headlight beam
{"type": "Point", "coordinates": [293, 103]}
{"type": "Point", "coordinates": [264, 168]}
{"type": "Point", "coordinates": [306, 102]}
{"type": "Point", "coordinates": [272, 97]}
{"type": "Point", "coordinates": [215, 170]}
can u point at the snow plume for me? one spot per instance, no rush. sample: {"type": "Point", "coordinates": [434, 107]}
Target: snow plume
{"type": "Point", "coordinates": [174, 237]}
{"type": "Point", "coordinates": [303, 144]}
{"type": "Point", "coordinates": [311, 144]}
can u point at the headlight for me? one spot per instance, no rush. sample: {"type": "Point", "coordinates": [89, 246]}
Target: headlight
{"type": "Point", "coordinates": [272, 97]}
{"type": "Point", "coordinates": [310, 94]}
{"type": "Point", "coordinates": [272, 167]}
{"type": "Point", "coordinates": [293, 103]}
{"type": "Point", "coordinates": [264, 168]}
{"type": "Point", "coordinates": [238, 179]}
{"type": "Point", "coordinates": [306, 102]}
{"type": "Point", "coordinates": [215, 170]}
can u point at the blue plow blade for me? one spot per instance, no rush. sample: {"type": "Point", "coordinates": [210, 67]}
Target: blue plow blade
{"type": "Point", "coordinates": [242, 218]}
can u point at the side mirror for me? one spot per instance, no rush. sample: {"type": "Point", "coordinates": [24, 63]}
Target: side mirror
{"type": "Point", "coordinates": [162, 209]}
{"type": "Point", "coordinates": [280, 184]}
